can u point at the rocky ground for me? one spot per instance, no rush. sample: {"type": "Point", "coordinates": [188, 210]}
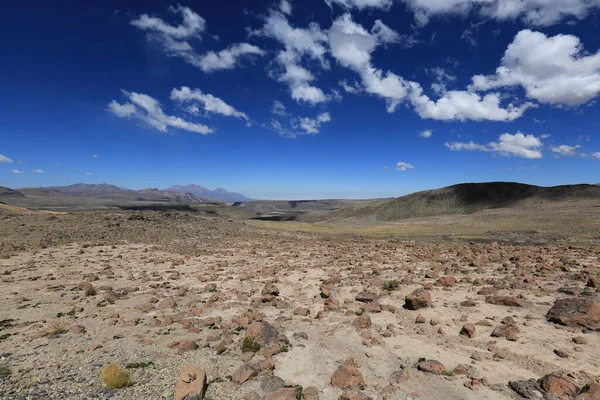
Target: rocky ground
{"type": "Point", "coordinates": [273, 315]}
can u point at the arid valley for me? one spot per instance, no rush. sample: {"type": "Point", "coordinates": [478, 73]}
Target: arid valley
{"type": "Point", "coordinates": [428, 307]}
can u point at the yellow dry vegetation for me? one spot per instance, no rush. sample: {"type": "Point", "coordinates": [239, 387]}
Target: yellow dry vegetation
{"type": "Point", "coordinates": [115, 377]}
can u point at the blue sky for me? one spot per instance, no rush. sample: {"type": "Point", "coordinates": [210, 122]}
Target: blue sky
{"type": "Point", "coordinates": [300, 99]}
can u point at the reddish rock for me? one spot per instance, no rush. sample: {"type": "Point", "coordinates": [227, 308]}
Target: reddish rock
{"type": "Point", "coordinates": [431, 366]}
{"type": "Point", "coordinates": [557, 385]}
{"type": "Point", "coordinates": [418, 299]}
{"type": "Point", "coordinates": [311, 393]}
{"type": "Point", "coordinates": [191, 383]}
{"type": "Point", "coordinates": [366, 297]}
{"type": "Point", "coordinates": [362, 322]}
{"type": "Point", "coordinates": [282, 394]}
{"type": "Point", "coordinates": [186, 345]}
{"type": "Point", "coordinates": [169, 302]}
{"type": "Point", "coordinates": [446, 281]}
{"type": "Point", "coordinates": [508, 331]}
{"type": "Point", "coordinates": [262, 333]}
{"type": "Point", "coordinates": [590, 391]}
{"type": "Point", "coordinates": [243, 373]}
{"type": "Point", "coordinates": [347, 376]}
{"type": "Point", "coordinates": [468, 330]}
{"type": "Point", "coordinates": [354, 395]}
{"type": "Point", "coordinates": [580, 312]}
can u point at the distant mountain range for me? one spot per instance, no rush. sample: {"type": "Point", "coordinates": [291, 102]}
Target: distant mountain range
{"type": "Point", "coordinates": [217, 194]}
{"type": "Point", "coordinates": [104, 191]}
{"type": "Point", "coordinates": [109, 192]}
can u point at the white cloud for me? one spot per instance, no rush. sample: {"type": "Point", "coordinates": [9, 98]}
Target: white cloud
{"type": "Point", "coordinates": [596, 155]}
{"type": "Point", "coordinates": [88, 174]}
{"type": "Point", "coordinates": [192, 26]}
{"type": "Point", "coordinates": [38, 171]}
{"type": "Point", "coordinates": [16, 171]}
{"type": "Point", "coordinates": [299, 125]}
{"type": "Point", "coordinates": [426, 133]}
{"type": "Point", "coordinates": [312, 125]}
{"type": "Point", "coordinates": [533, 12]}
{"type": "Point", "coordinates": [95, 156]}
{"type": "Point", "coordinates": [361, 4]}
{"type": "Point", "coordinates": [519, 145]}
{"type": "Point", "coordinates": [552, 70]}
{"type": "Point", "coordinates": [564, 150]}
{"type": "Point", "coordinates": [175, 41]}
{"type": "Point", "coordinates": [4, 159]}
{"type": "Point", "coordinates": [285, 7]}
{"type": "Point", "coordinates": [225, 59]}
{"type": "Point", "coordinates": [351, 45]}
{"type": "Point", "coordinates": [545, 136]}
{"type": "Point", "coordinates": [404, 166]}
{"type": "Point", "coordinates": [209, 102]}
{"type": "Point", "coordinates": [149, 111]}
{"type": "Point", "coordinates": [298, 43]}
{"type": "Point", "coordinates": [463, 105]}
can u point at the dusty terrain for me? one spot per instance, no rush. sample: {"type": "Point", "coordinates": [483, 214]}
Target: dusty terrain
{"type": "Point", "coordinates": [322, 314]}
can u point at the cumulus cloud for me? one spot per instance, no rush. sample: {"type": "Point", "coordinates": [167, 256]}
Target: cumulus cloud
{"type": "Point", "coordinates": [285, 7]}
{"type": "Point", "coordinates": [532, 12]}
{"type": "Point", "coordinates": [16, 171]}
{"type": "Point", "coordinates": [4, 159]}
{"type": "Point", "coordinates": [552, 70]}
{"type": "Point", "coordinates": [564, 150]}
{"type": "Point", "coordinates": [463, 105]}
{"type": "Point", "coordinates": [299, 43]}
{"type": "Point", "coordinates": [149, 111]}
{"type": "Point", "coordinates": [38, 171]}
{"type": "Point", "coordinates": [209, 102]}
{"type": "Point", "coordinates": [518, 145]}
{"type": "Point", "coordinates": [311, 126]}
{"type": "Point", "coordinates": [404, 166]}
{"type": "Point", "coordinates": [351, 45]}
{"type": "Point", "coordinates": [361, 4]}
{"type": "Point", "coordinates": [426, 133]}
{"type": "Point", "coordinates": [88, 174]}
{"type": "Point", "coordinates": [175, 41]}
{"type": "Point", "coordinates": [596, 155]}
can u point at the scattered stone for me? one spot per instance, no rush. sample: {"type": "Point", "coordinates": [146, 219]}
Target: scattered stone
{"type": "Point", "coordinates": [418, 299]}
{"type": "Point", "coordinates": [581, 312]}
{"type": "Point", "coordinates": [468, 330]}
{"type": "Point", "coordinates": [557, 385]}
{"type": "Point", "coordinates": [348, 376]}
{"type": "Point", "coordinates": [191, 383]}
{"type": "Point", "coordinates": [431, 366]}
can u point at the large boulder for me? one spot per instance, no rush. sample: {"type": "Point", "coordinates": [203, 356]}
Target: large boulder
{"type": "Point", "coordinates": [418, 299]}
{"type": "Point", "coordinates": [262, 333]}
{"type": "Point", "coordinates": [557, 385]}
{"type": "Point", "coordinates": [347, 376]}
{"type": "Point", "coordinates": [191, 383]}
{"type": "Point", "coordinates": [580, 312]}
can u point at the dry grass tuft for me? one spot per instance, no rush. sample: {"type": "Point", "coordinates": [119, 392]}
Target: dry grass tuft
{"type": "Point", "coordinates": [115, 377]}
{"type": "Point", "coordinates": [90, 291]}
{"type": "Point", "coordinates": [53, 330]}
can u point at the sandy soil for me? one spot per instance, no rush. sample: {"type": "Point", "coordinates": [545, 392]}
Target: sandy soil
{"type": "Point", "coordinates": [160, 278]}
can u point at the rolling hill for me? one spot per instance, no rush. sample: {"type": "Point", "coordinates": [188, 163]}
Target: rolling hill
{"type": "Point", "coordinates": [462, 199]}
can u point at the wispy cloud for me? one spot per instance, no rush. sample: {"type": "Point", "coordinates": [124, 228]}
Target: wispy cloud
{"type": "Point", "coordinates": [95, 156]}
{"type": "Point", "coordinates": [4, 159]}
{"type": "Point", "coordinates": [426, 133]}
{"type": "Point", "coordinates": [564, 150]}
{"type": "Point", "coordinates": [210, 103]}
{"type": "Point", "coordinates": [38, 171]}
{"type": "Point", "coordinates": [404, 166]}
{"type": "Point", "coordinates": [176, 41]}
{"type": "Point", "coordinates": [88, 174]}
{"type": "Point", "coordinates": [519, 145]}
{"type": "Point", "coordinates": [149, 111]}
{"type": "Point", "coordinates": [16, 171]}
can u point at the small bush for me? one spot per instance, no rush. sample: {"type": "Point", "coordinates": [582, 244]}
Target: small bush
{"type": "Point", "coordinates": [390, 286]}
{"type": "Point", "coordinates": [114, 377]}
{"type": "Point", "coordinates": [54, 330]}
{"type": "Point", "coordinates": [90, 291]}
{"type": "Point", "coordinates": [448, 373]}
{"type": "Point", "coordinates": [250, 345]}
